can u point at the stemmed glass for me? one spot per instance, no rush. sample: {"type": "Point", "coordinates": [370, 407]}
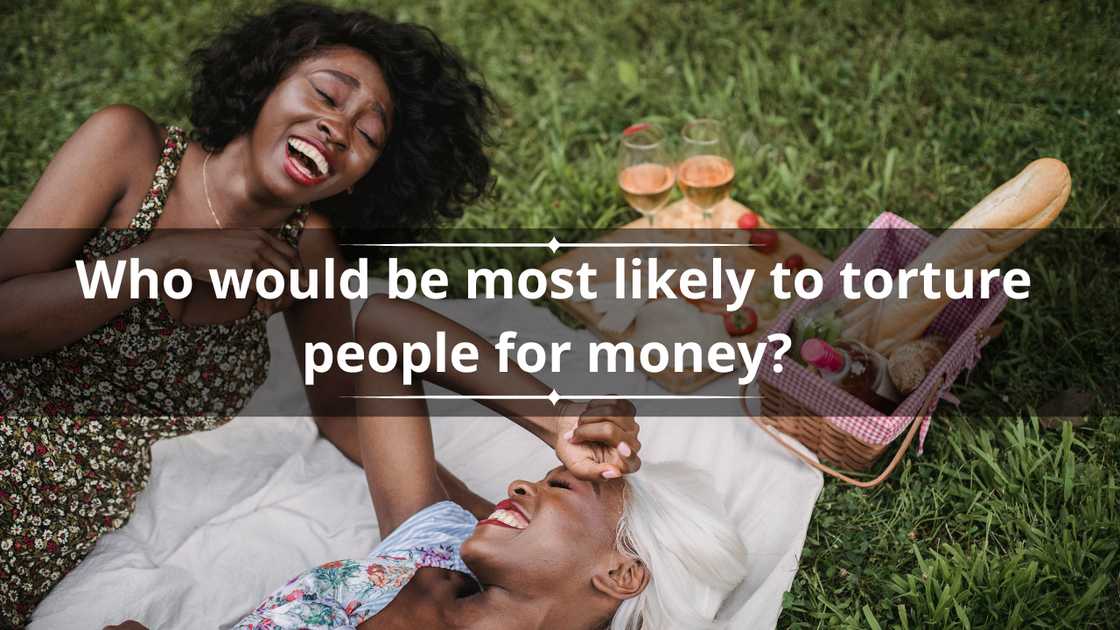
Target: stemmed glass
{"type": "Point", "coordinates": [645, 169]}
{"type": "Point", "coordinates": [706, 171]}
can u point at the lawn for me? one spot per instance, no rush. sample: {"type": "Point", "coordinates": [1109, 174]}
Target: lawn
{"type": "Point", "coordinates": [841, 110]}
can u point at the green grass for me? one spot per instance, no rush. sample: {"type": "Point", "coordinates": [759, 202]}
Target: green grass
{"type": "Point", "coordinates": [840, 110]}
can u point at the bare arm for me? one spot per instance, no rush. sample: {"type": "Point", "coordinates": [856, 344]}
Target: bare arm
{"type": "Point", "coordinates": [105, 166]}
{"type": "Point", "coordinates": [41, 302]}
{"type": "Point", "coordinates": [343, 433]}
{"type": "Point", "coordinates": [398, 456]}
{"type": "Point", "coordinates": [401, 321]}
{"type": "Point", "coordinates": [329, 321]}
{"type": "Point", "coordinates": [395, 433]}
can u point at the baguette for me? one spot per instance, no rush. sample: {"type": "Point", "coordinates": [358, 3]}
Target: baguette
{"type": "Point", "coordinates": [1005, 219]}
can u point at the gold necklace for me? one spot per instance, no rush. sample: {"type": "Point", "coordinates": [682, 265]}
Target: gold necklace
{"type": "Point", "coordinates": [206, 189]}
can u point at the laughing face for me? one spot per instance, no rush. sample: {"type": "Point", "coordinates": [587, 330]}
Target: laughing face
{"type": "Point", "coordinates": [548, 537]}
{"type": "Point", "coordinates": [322, 127]}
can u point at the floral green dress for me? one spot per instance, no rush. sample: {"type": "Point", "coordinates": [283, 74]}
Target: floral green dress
{"type": "Point", "coordinates": [77, 423]}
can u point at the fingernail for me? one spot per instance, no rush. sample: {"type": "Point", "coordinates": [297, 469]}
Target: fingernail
{"type": "Point", "coordinates": [569, 435]}
{"type": "Point", "coordinates": [624, 449]}
{"type": "Point", "coordinates": [610, 474]}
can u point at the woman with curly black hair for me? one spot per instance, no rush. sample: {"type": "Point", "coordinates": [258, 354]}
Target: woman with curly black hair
{"type": "Point", "coordinates": [304, 117]}
{"type": "Point", "coordinates": [422, 117]}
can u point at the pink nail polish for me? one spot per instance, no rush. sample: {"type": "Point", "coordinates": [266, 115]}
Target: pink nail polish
{"type": "Point", "coordinates": [610, 474]}
{"type": "Point", "coordinates": [624, 449]}
{"type": "Point", "coordinates": [569, 435]}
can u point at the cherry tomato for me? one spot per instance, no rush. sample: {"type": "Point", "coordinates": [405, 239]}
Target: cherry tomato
{"type": "Point", "coordinates": [794, 263]}
{"type": "Point", "coordinates": [748, 220]}
{"type": "Point", "coordinates": [742, 322]}
{"type": "Point", "coordinates": [633, 129]}
{"type": "Point", "coordinates": [765, 241]}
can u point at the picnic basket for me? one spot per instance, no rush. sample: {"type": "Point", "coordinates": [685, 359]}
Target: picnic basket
{"type": "Point", "coordinates": [841, 429]}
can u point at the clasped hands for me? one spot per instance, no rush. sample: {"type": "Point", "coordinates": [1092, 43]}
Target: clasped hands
{"type": "Point", "coordinates": [598, 440]}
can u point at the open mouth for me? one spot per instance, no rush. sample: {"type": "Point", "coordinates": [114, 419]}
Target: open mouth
{"type": "Point", "coordinates": [507, 514]}
{"type": "Point", "coordinates": [308, 160]}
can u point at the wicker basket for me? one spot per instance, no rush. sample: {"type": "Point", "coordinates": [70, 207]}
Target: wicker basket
{"type": "Point", "coordinates": [840, 428]}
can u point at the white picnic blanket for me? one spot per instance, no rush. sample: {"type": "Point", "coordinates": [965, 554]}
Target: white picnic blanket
{"type": "Point", "coordinates": [231, 514]}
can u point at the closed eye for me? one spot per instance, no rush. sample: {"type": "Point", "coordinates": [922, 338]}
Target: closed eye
{"type": "Point", "coordinates": [369, 139]}
{"type": "Point", "coordinates": [326, 97]}
{"type": "Point", "coordinates": [558, 483]}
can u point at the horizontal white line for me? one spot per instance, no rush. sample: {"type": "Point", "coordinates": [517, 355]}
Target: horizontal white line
{"type": "Point", "coordinates": [546, 397]}
{"type": "Point", "coordinates": [657, 396]}
{"type": "Point", "coordinates": [656, 244]}
{"type": "Point", "coordinates": [547, 245]}
{"type": "Point", "coordinates": [444, 244]}
{"type": "Point", "coordinates": [451, 397]}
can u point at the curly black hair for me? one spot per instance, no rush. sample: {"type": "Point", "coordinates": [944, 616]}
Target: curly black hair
{"type": "Point", "coordinates": [434, 161]}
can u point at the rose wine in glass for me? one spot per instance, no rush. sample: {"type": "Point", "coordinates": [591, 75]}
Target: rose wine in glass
{"type": "Point", "coordinates": [645, 169]}
{"type": "Point", "coordinates": [706, 172]}
{"type": "Point", "coordinates": [646, 187]}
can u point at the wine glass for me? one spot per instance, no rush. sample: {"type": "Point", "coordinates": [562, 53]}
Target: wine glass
{"type": "Point", "coordinates": [706, 171]}
{"type": "Point", "coordinates": [645, 169]}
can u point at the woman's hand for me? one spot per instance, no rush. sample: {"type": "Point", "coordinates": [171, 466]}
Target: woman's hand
{"type": "Point", "coordinates": [599, 439]}
{"type": "Point", "coordinates": [236, 250]}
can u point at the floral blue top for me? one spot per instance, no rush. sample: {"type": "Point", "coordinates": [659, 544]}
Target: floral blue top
{"type": "Point", "coordinates": [341, 595]}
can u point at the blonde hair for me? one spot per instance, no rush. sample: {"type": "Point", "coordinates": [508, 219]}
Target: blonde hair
{"type": "Point", "coordinates": [675, 523]}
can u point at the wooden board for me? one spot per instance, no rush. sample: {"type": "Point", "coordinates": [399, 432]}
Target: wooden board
{"type": "Point", "coordinates": [679, 216]}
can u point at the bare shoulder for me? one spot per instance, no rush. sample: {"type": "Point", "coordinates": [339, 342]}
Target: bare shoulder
{"type": "Point", "coordinates": [98, 169]}
{"type": "Point", "coordinates": [127, 142]}
{"type": "Point", "coordinates": [125, 129]}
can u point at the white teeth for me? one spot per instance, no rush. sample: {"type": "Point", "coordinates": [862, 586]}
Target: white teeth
{"type": "Point", "coordinates": [513, 519]}
{"type": "Point", "coordinates": [311, 152]}
{"type": "Point", "coordinates": [303, 169]}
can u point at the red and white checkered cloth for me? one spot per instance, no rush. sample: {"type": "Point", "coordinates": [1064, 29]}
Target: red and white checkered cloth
{"type": "Point", "coordinates": [890, 242]}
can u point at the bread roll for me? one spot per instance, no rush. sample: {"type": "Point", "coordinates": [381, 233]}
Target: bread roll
{"type": "Point", "coordinates": [984, 236]}
{"type": "Point", "coordinates": [911, 362]}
